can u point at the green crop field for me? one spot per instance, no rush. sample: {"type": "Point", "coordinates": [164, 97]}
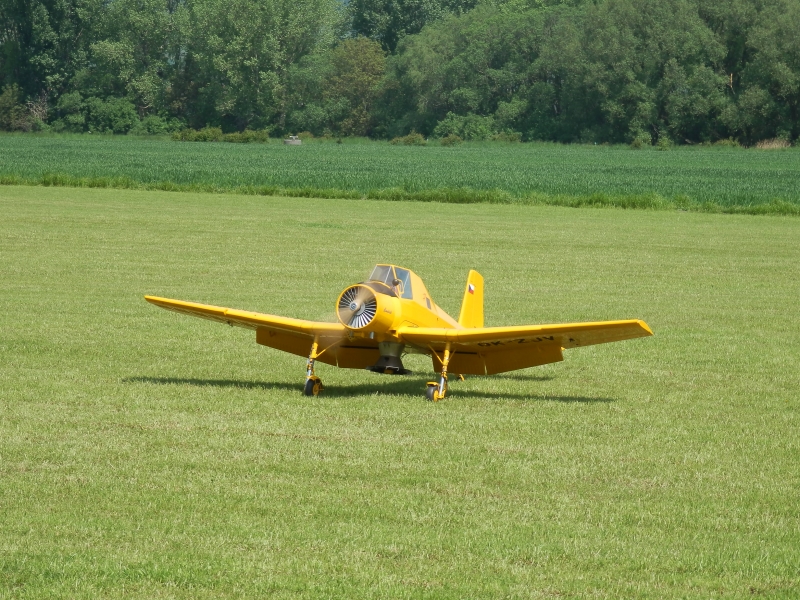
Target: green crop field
{"type": "Point", "coordinates": [145, 454]}
{"type": "Point", "coordinates": [711, 179]}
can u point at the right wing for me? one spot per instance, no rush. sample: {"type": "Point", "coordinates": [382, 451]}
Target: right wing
{"type": "Point", "coordinates": [251, 320]}
{"type": "Point", "coordinates": [284, 333]}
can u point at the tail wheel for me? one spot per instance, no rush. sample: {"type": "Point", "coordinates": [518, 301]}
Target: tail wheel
{"type": "Point", "coordinates": [313, 386]}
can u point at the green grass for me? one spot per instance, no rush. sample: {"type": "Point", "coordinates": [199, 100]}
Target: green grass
{"type": "Point", "coordinates": [149, 455]}
{"type": "Point", "coordinates": [688, 178]}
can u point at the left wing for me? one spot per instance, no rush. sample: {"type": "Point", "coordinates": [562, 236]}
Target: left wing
{"type": "Point", "coordinates": [488, 350]}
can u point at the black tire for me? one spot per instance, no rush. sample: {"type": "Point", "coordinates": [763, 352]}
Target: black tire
{"type": "Point", "coordinates": [308, 389]}
{"type": "Point", "coordinates": [429, 393]}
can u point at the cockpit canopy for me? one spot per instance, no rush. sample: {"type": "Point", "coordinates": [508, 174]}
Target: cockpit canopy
{"type": "Point", "coordinates": [397, 278]}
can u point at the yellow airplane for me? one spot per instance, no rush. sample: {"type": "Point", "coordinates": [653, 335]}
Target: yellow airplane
{"type": "Point", "coordinates": [392, 313]}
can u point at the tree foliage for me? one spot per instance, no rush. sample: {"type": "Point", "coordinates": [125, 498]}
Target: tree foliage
{"type": "Point", "coordinates": [639, 71]}
{"type": "Point", "coordinates": [334, 93]}
{"type": "Point", "coordinates": [388, 21]}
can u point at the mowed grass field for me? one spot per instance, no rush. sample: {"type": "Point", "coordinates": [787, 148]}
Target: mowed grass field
{"type": "Point", "coordinates": [150, 455]}
{"type": "Point", "coordinates": [711, 179]}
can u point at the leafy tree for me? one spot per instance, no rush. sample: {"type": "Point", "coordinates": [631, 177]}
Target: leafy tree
{"type": "Point", "coordinates": [644, 71]}
{"type": "Point", "coordinates": [138, 53]}
{"type": "Point", "coordinates": [521, 69]}
{"type": "Point", "coordinates": [12, 112]}
{"type": "Point", "coordinates": [43, 42]}
{"type": "Point", "coordinates": [335, 92]}
{"type": "Point", "coordinates": [115, 115]}
{"type": "Point", "coordinates": [240, 53]}
{"type": "Point", "coordinates": [70, 113]}
{"type": "Point", "coordinates": [617, 70]}
{"type": "Point", "coordinates": [358, 67]}
{"type": "Point", "coordinates": [308, 110]}
{"type": "Point", "coordinates": [642, 56]}
{"type": "Point", "coordinates": [388, 21]}
{"type": "Point", "coordinates": [467, 127]}
{"type": "Point", "coordinates": [769, 105]}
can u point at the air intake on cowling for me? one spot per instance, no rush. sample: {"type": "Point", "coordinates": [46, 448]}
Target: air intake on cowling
{"type": "Point", "coordinates": [357, 307]}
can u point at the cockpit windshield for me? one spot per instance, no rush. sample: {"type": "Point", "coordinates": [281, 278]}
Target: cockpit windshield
{"type": "Point", "coordinates": [388, 275]}
{"type": "Point", "coordinates": [405, 282]}
{"type": "Point", "coordinates": [382, 273]}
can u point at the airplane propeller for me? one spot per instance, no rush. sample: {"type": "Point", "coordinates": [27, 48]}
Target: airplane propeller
{"type": "Point", "coordinates": [357, 307]}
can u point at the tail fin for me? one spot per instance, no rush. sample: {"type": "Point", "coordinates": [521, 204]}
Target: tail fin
{"type": "Point", "coordinates": [472, 306]}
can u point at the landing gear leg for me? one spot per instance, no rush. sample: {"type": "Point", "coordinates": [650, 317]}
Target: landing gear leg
{"type": "Point", "coordinates": [437, 391]}
{"type": "Point", "coordinates": [313, 384]}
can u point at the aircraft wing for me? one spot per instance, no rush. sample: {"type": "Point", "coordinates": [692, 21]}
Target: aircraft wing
{"type": "Point", "coordinates": [567, 335]}
{"type": "Point", "coordinates": [251, 320]}
{"type": "Point", "coordinates": [488, 350]}
{"type": "Point", "coordinates": [288, 335]}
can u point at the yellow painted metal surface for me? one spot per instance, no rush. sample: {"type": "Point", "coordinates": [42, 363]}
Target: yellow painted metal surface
{"type": "Point", "coordinates": [339, 352]}
{"type": "Point", "coordinates": [567, 335]}
{"type": "Point", "coordinates": [477, 361]}
{"type": "Point", "coordinates": [249, 320]}
{"type": "Point", "coordinates": [471, 314]}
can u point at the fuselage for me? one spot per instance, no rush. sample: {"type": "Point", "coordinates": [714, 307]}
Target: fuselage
{"type": "Point", "coordinates": [391, 298]}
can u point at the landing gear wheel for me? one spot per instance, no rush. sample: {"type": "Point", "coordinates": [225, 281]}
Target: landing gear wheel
{"type": "Point", "coordinates": [432, 393]}
{"type": "Point", "coordinates": [313, 387]}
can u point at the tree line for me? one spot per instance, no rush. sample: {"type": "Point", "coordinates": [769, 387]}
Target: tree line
{"type": "Point", "coordinates": [617, 71]}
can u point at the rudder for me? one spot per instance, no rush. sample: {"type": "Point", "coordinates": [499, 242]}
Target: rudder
{"type": "Point", "coordinates": [472, 305]}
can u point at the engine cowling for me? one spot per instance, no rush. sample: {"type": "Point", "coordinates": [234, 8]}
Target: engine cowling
{"type": "Point", "coordinates": [359, 307]}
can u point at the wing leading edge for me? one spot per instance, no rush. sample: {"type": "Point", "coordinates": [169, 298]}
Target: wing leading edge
{"type": "Point", "coordinates": [488, 350]}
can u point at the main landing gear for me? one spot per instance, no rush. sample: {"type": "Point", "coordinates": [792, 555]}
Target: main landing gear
{"type": "Point", "coordinates": [434, 392]}
{"type": "Point", "coordinates": [437, 391]}
{"type": "Point", "coordinates": [313, 384]}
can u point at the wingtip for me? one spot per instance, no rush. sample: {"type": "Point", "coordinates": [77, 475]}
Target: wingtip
{"type": "Point", "coordinates": [646, 327]}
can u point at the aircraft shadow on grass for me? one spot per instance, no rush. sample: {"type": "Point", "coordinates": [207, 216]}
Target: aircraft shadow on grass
{"type": "Point", "coordinates": [405, 386]}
